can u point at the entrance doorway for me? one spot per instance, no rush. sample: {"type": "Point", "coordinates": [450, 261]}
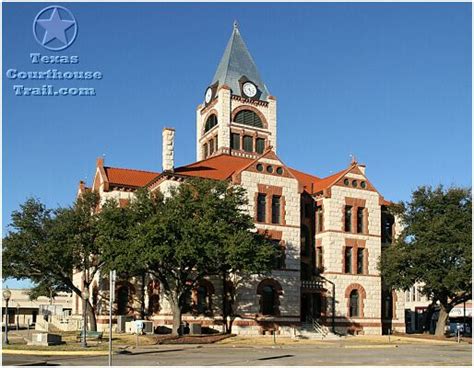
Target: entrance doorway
{"type": "Point", "coordinates": [311, 306]}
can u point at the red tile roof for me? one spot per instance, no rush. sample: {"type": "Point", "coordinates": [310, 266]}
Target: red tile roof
{"type": "Point", "coordinates": [128, 177]}
{"type": "Point", "coordinates": [326, 182]}
{"type": "Point", "coordinates": [219, 167]}
{"type": "Point", "coordinates": [307, 180]}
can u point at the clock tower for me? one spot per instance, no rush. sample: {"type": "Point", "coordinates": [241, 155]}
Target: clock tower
{"type": "Point", "coordinates": [238, 115]}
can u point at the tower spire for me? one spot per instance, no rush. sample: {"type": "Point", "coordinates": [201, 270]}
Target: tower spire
{"type": "Point", "coordinates": [236, 62]}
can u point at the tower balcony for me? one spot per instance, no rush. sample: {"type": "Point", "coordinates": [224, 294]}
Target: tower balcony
{"type": "Point", "coordinates": [315, 284]}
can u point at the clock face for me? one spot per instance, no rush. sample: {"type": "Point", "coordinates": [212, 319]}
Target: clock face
{"type": "Point", "coordinates": [249, 89]}
{"type": "Point", "coordinates": [208, 95]}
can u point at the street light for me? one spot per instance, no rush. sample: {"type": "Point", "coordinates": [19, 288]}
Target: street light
{"type": "Point", "coordinates": [85, 295]}
{"type": "Point", "coordinates": [6, 296]}
{"type": "Point", "coordinates": [17, 316]}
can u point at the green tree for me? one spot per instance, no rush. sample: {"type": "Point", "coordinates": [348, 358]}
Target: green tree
{"type": "Point", "coordinates": [47, 246]}
{"type": "Point", "coordinates": [200, 229]}
{"type": "Point", "coordinates": [434, 248]}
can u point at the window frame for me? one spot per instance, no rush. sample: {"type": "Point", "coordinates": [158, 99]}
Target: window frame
{"type": "Point", "coordinates": [257, 141]}
{"type": "Point", "coordinates": [360, 216]}
{"type": "Point", "coordinates": [360, 260]}
{"type": "Point", "coordinates": [261, 207]}
{"type": "Point", "coordinates": [276, 209]}
{"type": "Point", "coordinates": [246, 140]}
{"type": "Point", "coordinates": [233, 141]}
{"type": "Point", "coordinates": [354, 303]}
{"type": "Point", "coordinates": [249, 118]}
{"type": "Point", "coordinates": [348, 218]}
{"type": "Point", "coordinates": [348, 260]}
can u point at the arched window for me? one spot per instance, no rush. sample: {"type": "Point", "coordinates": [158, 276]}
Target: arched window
{"type": "Point", "coordinates": [122, 300]}
{"type": "Point", "coordinates": [210, 122]}
{"type": "Point", "coordinates": [268, 300]}
{"type": "Point", "coordinates": [354, 304]}
{"type": "Point", "coordinates": [201, 304]}
{"type": "Point", "coordinates": [269, 291]}
{"type": "Point", "coordinates": [153, 297]}
{"type": "Point", "coordinates": [248, 117]}
{"type": "Point", "coordinates": [202, 297]}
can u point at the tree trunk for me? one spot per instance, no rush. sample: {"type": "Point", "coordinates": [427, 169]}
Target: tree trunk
{"type": "Point", "coordinates": [224, 303]}
{"type": "Point", "coordinates": [177, 315]}
{"type": "Point", "coordinates": [142, 299]}
{"type": "Point", "coordinates": [91, 318]}
{"type": "Point", "coordinates": [442, 319]}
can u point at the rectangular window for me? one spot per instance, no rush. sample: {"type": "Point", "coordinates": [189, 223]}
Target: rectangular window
{"type": "Point", "coordinates": [360, 220]}
{"type": "Point", "coordinates": [211, 147]}
{"type": "Point", "coordinates": [275, 209]}
{"type": "Point", "coordinates": [217, 144]}
{"type": "Point", "coordinates": [319, 219]}
{"type": "Point", "coordinates": [360, 261]}
{"type": "Point", "coordinates": [248, 143]}
{"type": "Point", "coordinates": [348, 260]}
{"type": "Point", "coordinates": [261, 204]}
{"type": "Point", "coordinates": [348, 218]}
{"type": "Point", "coordinates": [205, 150]}
{"type": "Point", "coordinates": [235, 141]}
{"type": "Point", "coordinates": [319, 258]}
{"type": "Point", "coordinates": [260, 145]}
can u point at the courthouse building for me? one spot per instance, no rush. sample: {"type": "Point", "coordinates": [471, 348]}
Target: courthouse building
{"type": "Point", "coordinates": [332, 229]}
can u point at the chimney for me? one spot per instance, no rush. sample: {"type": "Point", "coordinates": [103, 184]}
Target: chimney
{"type": "Point", "coordinates": [168, 149]}
{"type": "Point", "coordinates": [361, 168]}
{"type": "Point", "coordinates": [100, 161]}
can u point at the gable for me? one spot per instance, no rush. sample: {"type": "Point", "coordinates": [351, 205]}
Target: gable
{"type": "Point", "coordinates": [268, 164]}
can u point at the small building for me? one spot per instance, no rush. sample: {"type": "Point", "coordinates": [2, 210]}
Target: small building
{"type": "Point", "coordinates": [22, 311]}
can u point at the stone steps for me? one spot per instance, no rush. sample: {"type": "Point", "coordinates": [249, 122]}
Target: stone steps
{"type": "Point", "coordinates": [308, 331]}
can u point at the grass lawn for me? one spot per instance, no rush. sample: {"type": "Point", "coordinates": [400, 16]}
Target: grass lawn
{"type": "Point", "coordinates": [119, 341]}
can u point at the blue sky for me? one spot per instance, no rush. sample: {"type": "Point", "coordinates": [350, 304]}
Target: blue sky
{"type": "Point", "coordinates": [387, 82]}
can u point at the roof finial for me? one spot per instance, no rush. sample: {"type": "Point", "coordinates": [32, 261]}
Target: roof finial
{"type": "Point", "coordinates": [353, 159]}
{"type": "Point", "coordinates": [236, 25]}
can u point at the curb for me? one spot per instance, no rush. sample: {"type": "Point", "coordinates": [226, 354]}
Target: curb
{"type": "Point", "coordinates": [52, 352]}
{"type": "Point", "coordinates": [370, 346]}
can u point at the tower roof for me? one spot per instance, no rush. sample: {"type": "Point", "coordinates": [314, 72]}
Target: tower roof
{"type": "Point", "coordinates": [236, 63]}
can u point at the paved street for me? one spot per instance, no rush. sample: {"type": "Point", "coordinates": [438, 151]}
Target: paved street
{"type": "Point", "coordinates": [324, 354]}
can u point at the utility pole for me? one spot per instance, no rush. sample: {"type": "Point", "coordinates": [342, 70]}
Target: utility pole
{"type": "Point", "coordinates": [6, 296]}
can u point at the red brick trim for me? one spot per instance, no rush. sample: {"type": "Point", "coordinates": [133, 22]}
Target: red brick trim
{"type": "Point", "coordinates": [271, 282]}
{"type": "Point", "coordinates": [273, 234]}
{"type": "Point", "coordinates": [349, 274]}
{"type": "Point", "coordinates": [356, 203]}
{"type": "Point", "coordinates": [278, 292]}
{"type": "Point", "coordinates": [345, 232]}
{"type": "Point", "coordinates": [123, 202]}
{"type": "Point", "coordinates": [204, 120]}
{"type": "Point", "coordinates": [270, 191]}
